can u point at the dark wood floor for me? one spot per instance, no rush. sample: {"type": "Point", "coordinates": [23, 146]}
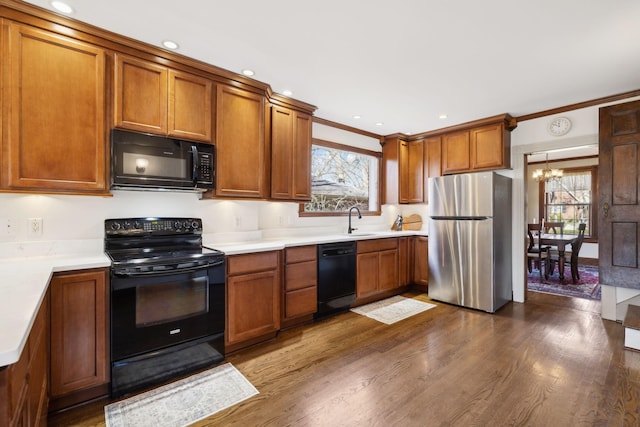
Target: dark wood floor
{"type": "Point", "coordinates": [549, 362]}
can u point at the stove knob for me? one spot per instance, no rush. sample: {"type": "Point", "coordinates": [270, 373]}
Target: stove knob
{"type": "Point", "coordinates": [194, 225]}
{"type": "Point", "coordinates": [186, 224]}
{"type": "Point", "coordinates": [137, 225]}
{"type": "Point", "coordinates": [177, 225]}
{"type": "Point", "coordinates": [127, 225]}
{"type": "Point", "coordinates": [115, 226]}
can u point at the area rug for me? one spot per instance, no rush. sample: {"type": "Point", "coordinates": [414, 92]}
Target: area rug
{"type": "Point", "coordinates": [587, 287]}
{"type": "Point", "coordinates": [392, 310]}
{"type": "Point", "coordinates": [184, 401]}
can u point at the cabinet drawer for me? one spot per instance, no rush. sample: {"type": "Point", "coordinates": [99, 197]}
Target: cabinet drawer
{"type": "Point", "coordinates": [301, 275]}
{"type": "Point", "coordinates": [302, 301]}
{"type": "Point", "coordinates": [301, 253]}
{"type": "Point", "coordinates": [377, 245]}
{"type": "Point", "coordinates": [239, 264]}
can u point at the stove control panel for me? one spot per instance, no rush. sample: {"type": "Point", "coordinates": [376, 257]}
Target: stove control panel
{"type": "Point", "coordinates": [142, 226]}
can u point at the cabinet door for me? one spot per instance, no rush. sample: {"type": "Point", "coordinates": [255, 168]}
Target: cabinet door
{"type": "Point", "coordinates": [140, 95]}
{"type": "Point", "coordinates": [420, 261]}
{"type": "Point", "coordinates": [388, 270]}
{"type": "Point", "coordinates": [432, 162]}
{"type": "Point", "coordinates": [240, 140]}
{"type": "Point", "coordinates": [391, 172]}
{"type": "Point", "coordinates": [487, 149]}
{"type": "Point", "coordinates": [189, 114]}
{"type": "Point", "coordinates": [290, 154]}
{"type": "Point", "coordinates": [302, 157]}
{"type": "Point", "coordinates": [253, 305]}
{"type": "Point", "coordinates": [282, 147]}
{"type": "Point", "coordinates": [56, 139]}
{"type": "Point", "coordinates": [416, 172]}
{"type": "Point", "coordinates": [455, 152]}
{"type": "Point", "coordinates": [403, 172]}
{"type": "Point", "coordinates": [367, 274]}
{"type": "Point", "coordinates": [79, 304]}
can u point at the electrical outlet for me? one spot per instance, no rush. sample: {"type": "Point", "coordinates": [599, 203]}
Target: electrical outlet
{"type": "Point", "coordinates": [7, 228]}
{"type": "Point", "coordinates": [34, 227]}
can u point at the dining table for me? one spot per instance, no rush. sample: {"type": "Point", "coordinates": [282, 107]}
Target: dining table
{"type": "Point", "coordinates": [561, 241]}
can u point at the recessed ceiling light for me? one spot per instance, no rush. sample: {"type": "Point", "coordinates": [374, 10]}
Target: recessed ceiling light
{"type": "Point", "coordinates": [442, 116]}
{"type": "Point", "coordinates": [287, 93]}
{"type": "Point", "coordinates": [62, 7]}
{"type": "Point", "coordinates": [379, 124]}
{"type": "Point", "coordinates": [248, 72]}
{"type": "Point", "coordinates": [170, 44]}
{"type": "Point", "coordinates": [356, 116]}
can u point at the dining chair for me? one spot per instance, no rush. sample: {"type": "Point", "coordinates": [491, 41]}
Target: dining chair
{"type": "Point", "coordinates": [554, 227]}
{"type": "Point", "coordinates": [536, 254]}
{"type": "Point", "coordinates": [571, 257]}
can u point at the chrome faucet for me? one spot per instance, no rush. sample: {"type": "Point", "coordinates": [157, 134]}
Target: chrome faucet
{"type": "Point", "coordinates": [359, 217]}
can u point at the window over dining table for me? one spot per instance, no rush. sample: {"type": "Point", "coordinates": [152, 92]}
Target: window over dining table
{"type": "Point", "coordinates": [571, 199]}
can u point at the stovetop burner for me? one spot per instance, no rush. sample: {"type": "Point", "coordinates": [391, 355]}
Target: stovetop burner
{"type": "Point", "coordinates": [157, 244]}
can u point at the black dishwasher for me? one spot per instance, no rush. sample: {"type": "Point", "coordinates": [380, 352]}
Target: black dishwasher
{"type": "Point", "coordinates": [336, 277]}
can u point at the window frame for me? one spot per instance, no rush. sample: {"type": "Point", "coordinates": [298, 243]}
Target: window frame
{"type": "Point", "coordinates": [593, 236]}
{"type": "Point", "coordinates": [349, 148]}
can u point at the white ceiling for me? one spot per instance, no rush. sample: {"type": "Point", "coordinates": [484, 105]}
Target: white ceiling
{"type": "Point", "coordinates": [401, 62]}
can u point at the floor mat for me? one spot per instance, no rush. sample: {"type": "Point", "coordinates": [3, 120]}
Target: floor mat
{"type": "Point", "coordinates": [393, 309]}
{"type": "Point", "coordinates": [184, 401]}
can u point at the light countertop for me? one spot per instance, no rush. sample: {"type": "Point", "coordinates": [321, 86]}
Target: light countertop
{"type": "Point", "coordinates": [24, 279]}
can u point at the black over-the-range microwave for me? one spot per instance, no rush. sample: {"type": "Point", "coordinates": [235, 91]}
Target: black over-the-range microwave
{"type": "Point", "coordinates": [151, 162]}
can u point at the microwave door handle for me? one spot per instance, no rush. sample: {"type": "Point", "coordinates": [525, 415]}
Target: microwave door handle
{"type": "Point", "coordinates": [194, 160]}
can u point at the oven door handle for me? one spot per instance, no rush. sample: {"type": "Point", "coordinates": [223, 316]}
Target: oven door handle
{"type": "Point", "coordinates": [167, 272]}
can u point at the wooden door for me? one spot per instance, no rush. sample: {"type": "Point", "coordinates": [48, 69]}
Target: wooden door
{"type": "Point", "coordinates": [189, 111]}
{"type": "Point", "coordinates": [421, 262]}
{"type": "Point", "coordinates": [487, 148]}
{"type": "Point", "coordinates": [302, 157]}
{"type": "Point", "coordinates": [432, 162]}
{"type": "Point", "coordinates": [388, 270]}
{"type": "Point", "coordinates": [619, 192]}
{"type": "Point", "coordinates": [282, 147]}
{"type": "Point", "coordinates": [403, 170]}
{"type": "Point", "coordinates": [416, 172]}
{"type": "Point", "coordinates": [253, 307]}
{"type": "Point", "coordinates": [240, 141]}
{"type": "Point", "coordinates": [79, 307]}
{"type": "Point", "coordinates": [367, 274]}
{"type": "Point", "coordinates": [141, 95]}
{"type": "Point", "coordinates": [55, 138]}
{"type": "Point", "coordinates": [456, 152]}
{"type": "Point", "coordinates": [390, 171]}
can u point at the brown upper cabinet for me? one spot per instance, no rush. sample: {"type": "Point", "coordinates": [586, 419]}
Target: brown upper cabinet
{"type": "Point", "coordinates": [54, 105]}
{"type": "Point", "coordinates": [156, 99]}
{"type": "Point", "coordinates": [290, 154]}
{"type": "Point", "coordinates": [483, 147]}
{"type": "Point", "coordinates": [242, 150]}
{"type": "Point", "coordinates": [403, 164]}
{"type": "Point", "coordinates": [432, 161]}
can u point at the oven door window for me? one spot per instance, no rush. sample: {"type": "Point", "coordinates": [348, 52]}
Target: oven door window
{"type": "Point", "coordinates": [171, 301]}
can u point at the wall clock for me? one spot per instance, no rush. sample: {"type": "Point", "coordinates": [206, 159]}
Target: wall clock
{"type": "Point", "coordinates": [559, 126]}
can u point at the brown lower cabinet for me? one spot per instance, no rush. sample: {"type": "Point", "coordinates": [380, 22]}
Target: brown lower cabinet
{"type": "Point", "coordinates": [253, 298]}
{"type": "Point", "coordinates": [23, 385]}
{"type": "Point", "coordinates": [300, 284]}
{"type": "Point", "coordinates": [79, 336]}
{"type": "Point", "coordinates": [377, 267]}
{"type": "Point", "coordinates": [420, 266]}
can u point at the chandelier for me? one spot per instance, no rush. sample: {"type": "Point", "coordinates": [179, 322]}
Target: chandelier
{"type": "Point", "coordinates": [547, 173]}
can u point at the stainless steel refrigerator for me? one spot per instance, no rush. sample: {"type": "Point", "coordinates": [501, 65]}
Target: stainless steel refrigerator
{"type": "Point", "coordinates": [470, 252]}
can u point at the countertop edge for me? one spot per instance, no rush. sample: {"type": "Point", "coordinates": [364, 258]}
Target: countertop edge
{"type": "Point", "coordinates": [12, 344]}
